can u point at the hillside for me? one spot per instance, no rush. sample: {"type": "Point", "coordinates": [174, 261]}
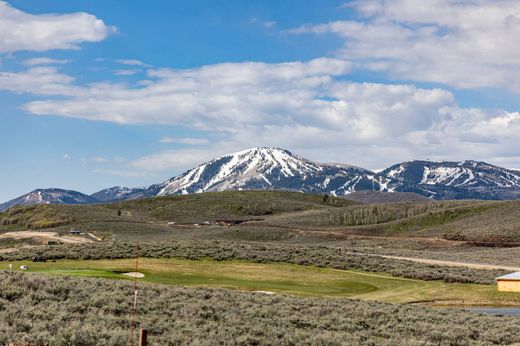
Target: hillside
{"type": "Point", "coordinates": [273, 216]}
{"type": "Point", "coordinates": [150, 216]}
{"type": "Point", "coordinates": [378, 197]}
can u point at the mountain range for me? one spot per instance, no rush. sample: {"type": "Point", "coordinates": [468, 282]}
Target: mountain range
{"type": "Point", "coordinates": [279, 169]}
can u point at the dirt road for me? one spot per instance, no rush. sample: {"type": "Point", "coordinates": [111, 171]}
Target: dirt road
{"type": "Point", "coordinates": [451, 263]}
{"type": "Point", "coordinates": [441, 262]}
{"type": "Point", "coordinates": [44, 237]}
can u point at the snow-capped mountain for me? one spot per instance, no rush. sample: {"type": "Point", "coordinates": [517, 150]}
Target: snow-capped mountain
{"type": "Point", "coordinates": [49, 196]}
{"type": "Point", "coordinates": [269, 168]}
{"type": "Point", "coordinates": [454, 180]}
{"type": "Point", "coordinates": [279, 169]}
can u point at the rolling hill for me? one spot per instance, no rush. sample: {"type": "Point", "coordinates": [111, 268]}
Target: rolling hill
{"type": "Point", "coordinates": [273, 216]}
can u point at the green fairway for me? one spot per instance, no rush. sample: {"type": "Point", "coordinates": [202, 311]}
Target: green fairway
{"type": "Point", "coordinates": [277, 277]}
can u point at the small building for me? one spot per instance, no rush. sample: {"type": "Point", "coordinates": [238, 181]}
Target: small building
{"type": "Point", "coordinates": [75, 231]}
{"type": "Point", "coordinates": [509, 282]}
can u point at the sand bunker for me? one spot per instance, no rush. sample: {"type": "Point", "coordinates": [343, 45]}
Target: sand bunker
{"type": "Point", "coordinates": [264, 292]}
{"type": "Point", "coordinates": [134, 274]}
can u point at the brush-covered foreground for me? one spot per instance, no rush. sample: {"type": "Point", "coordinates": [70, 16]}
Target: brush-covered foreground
{"type": "Point", "coordinates": [63, 311]}
{"type": "Point", "coordinates": [279, 278]}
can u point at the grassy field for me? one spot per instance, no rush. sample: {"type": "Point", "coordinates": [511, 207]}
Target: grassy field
{"type": "Point", "coordinates": [280, 278]}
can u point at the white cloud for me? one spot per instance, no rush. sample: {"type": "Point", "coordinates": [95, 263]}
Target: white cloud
{"type": "Point", "coordinates": [187, 140]}
{"type": "Point", "coordinates": [208, 97]}
{"type": "Point", "coordinates": [41, 80]}
{"type": "Point", "coordinates": [468, 44]}
{"type": "Point", "coordinates": [24, 31]}
{"type": "Point", "coordinates": [43, 61]}
{"type": "Point", "coordinates": [175, 160]}
{"type": "Point", "coordinates": [307, 107]}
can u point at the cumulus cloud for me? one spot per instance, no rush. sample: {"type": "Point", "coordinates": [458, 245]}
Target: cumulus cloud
{"type": "Point", "coordinates": [468, 44]}
{"type": "Point", "coordinates": [40, 80]}
{"type": "Point", "coordinates": [308, 107]}
{"type": "Point", "coordinates": [23, 31]}
{"type": "Point", "coordinates": [218, 97]}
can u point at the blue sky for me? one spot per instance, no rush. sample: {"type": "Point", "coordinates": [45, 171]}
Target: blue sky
{"type": "Point", "coordinates": [96, 93]}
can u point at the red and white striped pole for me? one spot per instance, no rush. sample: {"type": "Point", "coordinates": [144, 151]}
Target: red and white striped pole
{"type": "Point", "coordinates": [134, 306]}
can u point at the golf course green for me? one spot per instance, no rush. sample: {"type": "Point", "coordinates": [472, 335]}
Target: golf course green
{"type": "Point", "coordinates": [276, 278]}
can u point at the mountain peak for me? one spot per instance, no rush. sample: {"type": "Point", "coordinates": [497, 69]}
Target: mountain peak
{"type": "Point", "coordinates": [454, 180]}
{"type": "Point", "coordinates": [259, 167]}
{"type": "Point", "coordinates": [49, 196]}
{"type": "Point", "coordinates": [275, 168]}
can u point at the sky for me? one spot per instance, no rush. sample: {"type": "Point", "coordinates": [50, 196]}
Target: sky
{"type": "Point", "coordinates": [103, 93]}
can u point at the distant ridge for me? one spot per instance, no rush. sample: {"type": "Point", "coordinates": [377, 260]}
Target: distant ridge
{"type": "Point", "coordinates": [265, 168]}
